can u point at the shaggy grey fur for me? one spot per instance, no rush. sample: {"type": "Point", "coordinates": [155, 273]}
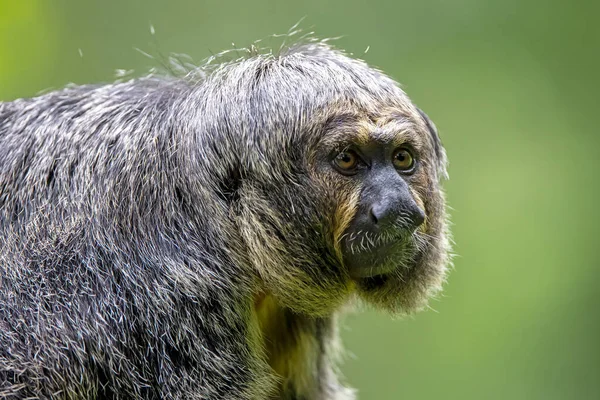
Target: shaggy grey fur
{"type": "Point", "coordinates": [126, 268]}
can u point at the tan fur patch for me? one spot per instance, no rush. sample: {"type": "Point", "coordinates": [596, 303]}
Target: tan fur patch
{"type": "Point", "coordinates": [289, 349]}
{"type": "Point", "coordinates": [343, 216]}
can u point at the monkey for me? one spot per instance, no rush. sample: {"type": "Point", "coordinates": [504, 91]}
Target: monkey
{"type": "Point", "coordinates": [199, 236]}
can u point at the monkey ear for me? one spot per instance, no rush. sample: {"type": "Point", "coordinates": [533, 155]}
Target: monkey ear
{"type": "Point", "coordinates": [442, 161]}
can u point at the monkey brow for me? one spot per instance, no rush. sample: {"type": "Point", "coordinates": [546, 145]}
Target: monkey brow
{"type": "Point", "coordinates": [343, 130]}
{"type": "Point", "coordinates": [396, 130]}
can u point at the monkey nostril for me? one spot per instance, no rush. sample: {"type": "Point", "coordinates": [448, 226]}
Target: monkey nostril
{"type": "Point", "coordinates": [373, 215]}
{"type": "Point", "coordinates": [418, 217]}
{"type": "Point", "coordinates": [381, 214]}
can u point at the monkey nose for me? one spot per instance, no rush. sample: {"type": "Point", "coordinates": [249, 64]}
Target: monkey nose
{"type": "Point", "coordinates": [384, 215]}
{"type": "Point", "coordinates": [377, 214]}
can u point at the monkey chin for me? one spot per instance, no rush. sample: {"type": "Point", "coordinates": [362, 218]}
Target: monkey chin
{"type": "Point", "coordinates": [408, 280]}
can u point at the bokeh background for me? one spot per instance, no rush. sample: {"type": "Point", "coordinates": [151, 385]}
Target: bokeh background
{"type": "Point", "coordinates": [513, 87]}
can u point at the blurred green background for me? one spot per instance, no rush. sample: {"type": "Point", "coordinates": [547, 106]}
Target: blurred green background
{"type": "Point", "coordinates": [513, 88]}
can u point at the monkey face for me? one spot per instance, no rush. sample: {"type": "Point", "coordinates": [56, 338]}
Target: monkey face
{"type": "Point", "coordinates": [380, 237]}
{"type": "Point", "coordinates": [390, 232]}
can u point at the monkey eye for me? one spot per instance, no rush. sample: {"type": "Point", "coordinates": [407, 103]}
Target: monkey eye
{"type": "Point", "coordinates": [346, 161]}
{"type": "Point", "coordinates": [403, 160]}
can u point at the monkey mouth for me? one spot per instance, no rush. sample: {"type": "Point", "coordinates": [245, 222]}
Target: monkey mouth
{"type": "Point", "coordinates": [384, 259]}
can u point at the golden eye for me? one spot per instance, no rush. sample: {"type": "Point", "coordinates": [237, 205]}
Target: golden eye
{"type": "Point", "coordinates": [346, 160]}
{"type": "Point", "coordinates": [403, 160]}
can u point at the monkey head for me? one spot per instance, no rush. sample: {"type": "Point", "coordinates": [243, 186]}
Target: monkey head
{"type": "Point", "coordinates": [337, 190]}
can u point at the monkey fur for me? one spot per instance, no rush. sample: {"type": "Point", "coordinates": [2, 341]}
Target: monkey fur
{"type": "Point", "coordinates": [189, 238]}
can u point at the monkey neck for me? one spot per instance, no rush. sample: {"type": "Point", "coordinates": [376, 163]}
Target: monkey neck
{"type": "Point", "coordinates": [291, 346]}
